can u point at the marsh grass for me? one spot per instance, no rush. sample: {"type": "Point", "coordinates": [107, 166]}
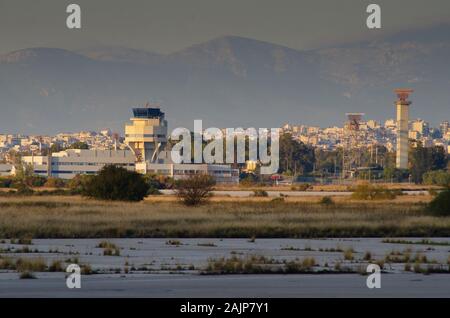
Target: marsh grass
{"type": "Point", "coordinates": [367, 256]}
{"type": "Point", "coordinates": [85, 218]}
{"type": "Point", "coordinates": [348, 254]}
{"type": "Point", "coordinates": [255, 264]}
{"type": "Point", "coordinates": [56, 266]}
{"type": "Point", "coordinates": [207, 245]}
{"type": "Point", "coordinates": [174, 242]}
{"type": "Point", "coordinates": [421, 242]}
{"type": "Point", "coordinates": [109, 249]}
{"type": "Point", "coordinates": [31, 264]}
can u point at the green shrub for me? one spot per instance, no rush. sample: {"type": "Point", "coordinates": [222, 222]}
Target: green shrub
{"type": "Point", "coordinates": [157, 182]}
{"type": "Point", "coordinates": [437, 177]}
{"type": "Point", "coordinates": [440, 205]}
{"type": "Point", "coordinates": [116, 183]}
{"type": "Point", "coordinates": [77, 185]}
{"type": "Point", "coordinates": [370, 192]}
{"type": "Point", "coordinates": [36, 181]}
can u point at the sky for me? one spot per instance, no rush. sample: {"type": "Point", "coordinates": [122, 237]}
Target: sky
{"type": "Point", "coordinates": [165, 26]}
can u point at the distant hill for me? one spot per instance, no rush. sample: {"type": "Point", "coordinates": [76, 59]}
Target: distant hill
{"type": "Point", "coordinates": [229, 82]}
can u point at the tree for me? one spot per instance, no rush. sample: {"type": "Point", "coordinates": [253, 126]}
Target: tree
{"type": "Point", "coordinates": [438, 177]}
{"type": "Point", "coordinates": [194, 190]}
{"type": "Point", "coordinates": [78, 145]}
{"type": "Point", "coordinates": [440, 205]}
{"type": "Point", "coordinates": [426, 159]}
{"type": "Point", "coordinates": [295, 156]}
{"type": "Point", "coordinates": [55, 183]}
{"type": "Point", "coordinates": [116, 183]}
{"type": "Point", "coordinates": [79, 183]}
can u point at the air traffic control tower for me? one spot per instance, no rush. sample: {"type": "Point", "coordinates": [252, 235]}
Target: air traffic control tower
{"type": "Point", "coordinates": [147, 135]}
{"type": "Point", "coordinates": [402, 105]}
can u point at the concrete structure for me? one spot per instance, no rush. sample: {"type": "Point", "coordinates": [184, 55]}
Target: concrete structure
{"type": "Point", "coordinates": [69, 163]}
{"type": "Point", "coordinates": [147, 135]}
{"type": "Point", "coordinates": [352, 142]}
{"type": "Point", "coordinates": [402, 105]}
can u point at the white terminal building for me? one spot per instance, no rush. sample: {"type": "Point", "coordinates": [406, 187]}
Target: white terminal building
{"type": "Point", "coordinates": [69, 163]}
{"type": "Point", "coordinates": [146, 138]}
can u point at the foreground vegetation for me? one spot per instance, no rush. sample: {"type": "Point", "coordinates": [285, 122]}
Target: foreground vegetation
{"type": "Point", "coordinates": [77, 217]}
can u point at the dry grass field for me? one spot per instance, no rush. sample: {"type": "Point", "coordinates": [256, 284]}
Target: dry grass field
{"type": "Point", "coordinates": [327, 187]}
{"type": "Point", "coordinates": [163, 216]}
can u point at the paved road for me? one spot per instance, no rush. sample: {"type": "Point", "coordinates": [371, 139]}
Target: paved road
{"type": "Point", "coordinates": [194, 286]}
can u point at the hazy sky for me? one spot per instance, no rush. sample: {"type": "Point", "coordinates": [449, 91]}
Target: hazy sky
{"type": "Point", "coordinates": [168, 25]}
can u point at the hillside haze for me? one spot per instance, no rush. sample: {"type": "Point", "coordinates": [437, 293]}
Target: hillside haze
{"type": "Point", "coordinates": [228, 82]}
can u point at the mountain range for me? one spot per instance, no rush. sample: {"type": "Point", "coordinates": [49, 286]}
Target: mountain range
{"type": "Point", "coordinates": [229, 81]}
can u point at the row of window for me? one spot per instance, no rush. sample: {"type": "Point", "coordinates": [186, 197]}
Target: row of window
{"type": "Point", "coordinates": [65, 172]}
{"type": "Point", "coordinates": [90, 164]}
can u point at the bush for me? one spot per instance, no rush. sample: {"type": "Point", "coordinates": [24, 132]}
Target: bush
{"type": "Point", "coordinates": [440, 205]}
{"type": "Point", "coordinates": [23, 189]}
{"type": "Point", "coordinates": [35, 181]}
{"type": "Point", "coordinates": [159, 181]}
{"type": "Point", "coordinates": [303, 187]}
{"type": "Point", "coordinates": [438, 177]}
{"type": "Point", "coordinates": [6, 182]}
{"type": "Point", "coordinates": [116, 183]}
{"type": "Point", "coordinates": [78, 184]}
{"type": "Point", "coordinates": [195, 190]}
{"type": "Point", "coordinates": [248, 180]}
{"type": "Point", "coordinates": [370, 192]}
{"type": "Point", "coordinates": [326, 201]}
{"type": "Point", "coordinates": [55, 183]}
{"type": "Point", "coordinates": [260, 193]}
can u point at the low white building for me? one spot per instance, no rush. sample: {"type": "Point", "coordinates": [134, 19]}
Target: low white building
{"type": "Point", "coordinates": [72, 162]}
{"type": "Point", "coordinates": [69, 163]}
{"type": "Point", "coordinates": [221, 173]}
